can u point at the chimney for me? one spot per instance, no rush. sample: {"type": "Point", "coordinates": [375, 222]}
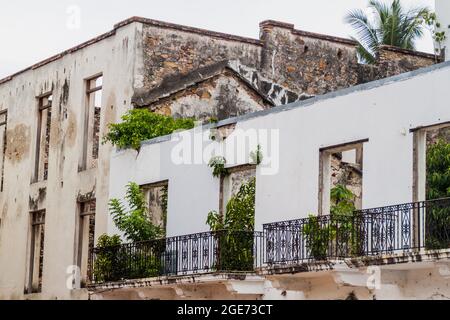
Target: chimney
{"type": "Point", "coordinates": [442, 9]}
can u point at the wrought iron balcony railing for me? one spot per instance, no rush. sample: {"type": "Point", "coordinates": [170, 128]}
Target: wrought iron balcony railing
{"type": "Point", "coordinates": [388, 230]}
{"type": "Point", "coordinates": [209, 252]}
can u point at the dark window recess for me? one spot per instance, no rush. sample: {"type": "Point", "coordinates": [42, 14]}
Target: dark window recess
{"type": "Point", "coordinates": [3, 124]}
{"type": "Point", "coordinates": [86, 239]}
{"type": "Point", "coordinates": [36, 252]}
{"type": "Point", "coordinates": [91, 139]}
{"type": "Point", "coordinates": [43, 138]}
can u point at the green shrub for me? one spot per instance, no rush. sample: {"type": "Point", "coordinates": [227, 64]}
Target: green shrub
{"type": "Point", "coordinates": [338, 235]}
{"type": "Point", "coordinates": [437, 222]}
{"type": "Point", "coordinates": [109, 262]}
{"type": "Point", "coordinates": [141, 124]}
{"type": "Point", "coordinates": [234, 232]}
{"type": "Point", "coordinates": [135, 223]}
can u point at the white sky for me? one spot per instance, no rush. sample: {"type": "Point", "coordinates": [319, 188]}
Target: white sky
{"type": "Point", "coordinates": [34, 30]}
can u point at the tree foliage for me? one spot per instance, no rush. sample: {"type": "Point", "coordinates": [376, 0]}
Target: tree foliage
{"type": "Point", "coordinates": [135, 222]}
{"type": "Point", "coordinates": [393, 25]}
{"type": "Point", "coordinates": [141, 124]}
{"type": "Point", "coordinates": [438, 170]}
{"type": "Point", "coordinates": [438, 186]}
{"type": "Point", "coordinates": [342, 225]}
{"type": "Point", "coordinates": [240, 211]}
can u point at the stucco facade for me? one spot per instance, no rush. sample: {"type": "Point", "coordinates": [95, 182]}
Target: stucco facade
{"type": "Point", "coordinates": [54, 159]}
{"type": "Point", "coordinates": [287, 185]}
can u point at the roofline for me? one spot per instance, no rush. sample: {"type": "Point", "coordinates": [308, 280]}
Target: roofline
{"type": "Point", "coordinates": [420, 54]}
{"type": "Point", "coordinates": [291, 27]}
{"type": "Point", "coordinates": [346, 41]}
{"type": "Point", "coordinates": [60, 55]}
{"type": "Point", "coordinates": [126, 22]}
{"type": "Point", "coordinates": [225, 65]}
{"type": "Point", "coordinates": [317, 99]}
{"type": "Point", "coordinates": [179, 27]}
{"type": "Point", "coordinates": [213, 34]}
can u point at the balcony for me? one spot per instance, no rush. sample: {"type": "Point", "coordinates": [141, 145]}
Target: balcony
{"type": "Point", "coordinates": [392, 230]}
{"type": "Point", "coordinates": [201, 253]}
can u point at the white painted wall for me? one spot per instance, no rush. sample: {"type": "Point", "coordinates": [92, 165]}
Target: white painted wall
{"type": "Point", "coordinates": [382, 114]}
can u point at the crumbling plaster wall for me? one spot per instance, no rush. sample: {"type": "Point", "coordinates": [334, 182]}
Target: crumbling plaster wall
{"type": "Point", "coordinates": [64, 75]}
{"type": "Point", "coordinates": [221, 97]}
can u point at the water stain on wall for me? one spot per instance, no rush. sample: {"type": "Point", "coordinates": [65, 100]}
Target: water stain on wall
{"type": "Point", "coordinates": [18, 143]}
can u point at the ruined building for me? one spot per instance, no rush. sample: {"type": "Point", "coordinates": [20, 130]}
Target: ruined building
{"type": "Point", "coordinates": [55, 172]}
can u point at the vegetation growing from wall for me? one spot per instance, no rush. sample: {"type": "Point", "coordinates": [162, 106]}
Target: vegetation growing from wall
{"type": "Point", "coordinates": [256, 156]}
{"type": "Point", "coordinates": [141, 124]}
{"type": "Point", "coordinates": [236, 244]}
{"type": "Point", "coordinates": [218, 165]}
{"type": "Point", "coordinates": [438, 186]}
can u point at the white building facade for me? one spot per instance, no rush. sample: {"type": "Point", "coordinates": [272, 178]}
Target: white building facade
{"type": "Point", "coordinates": [386, 120]}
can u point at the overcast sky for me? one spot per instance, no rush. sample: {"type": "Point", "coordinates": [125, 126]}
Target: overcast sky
{"type": "Point", "coordinates": [34, 30]}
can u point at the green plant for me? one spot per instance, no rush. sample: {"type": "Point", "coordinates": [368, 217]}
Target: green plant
{"type": "Point", "coordinates": [109, 262]}
{"type": "Point", "coordinates": [340, 233]}
{"type": "Point", "coordinates": [114, 261]}
{"type": "Point", "coordinates": [240, 211]}
{"type": "Point", "coordinates": [218, 165]}
{"type": "Point", "coordinates": [438, 186]}
{"type": "Point", "coordinates": [318, 237]}
{"type": "Point", "coordinates": [135, 223]}
{"type": "Point", "coordinates": [257, 156]}
{"type": "Point", "coordinates": [438, 170]}
{"type": "Point", "coordinates": [393, 26]}
{"type": "Point", "coordinates": [342, 201]}
{"type": "Point", "coordinates": [433, 25]}
{"type": "Point", "coordinates": [234, 232]}
{"type": "Point", "coordinates": [141, 124]}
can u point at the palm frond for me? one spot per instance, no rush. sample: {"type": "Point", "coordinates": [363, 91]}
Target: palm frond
{"type": "Point", "coordinates": [366, 33]}
{"type": "Point", "coordinates": [365, 56]}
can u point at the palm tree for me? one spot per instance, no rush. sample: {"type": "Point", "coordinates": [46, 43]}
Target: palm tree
{"type": "Point", "coordinates": [393, 25]}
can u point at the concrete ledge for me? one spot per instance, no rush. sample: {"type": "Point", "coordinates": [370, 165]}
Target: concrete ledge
{"type": "Point", "coordinates": [401, 258]}
{"type": "Point", "coordinates": [174, 281]}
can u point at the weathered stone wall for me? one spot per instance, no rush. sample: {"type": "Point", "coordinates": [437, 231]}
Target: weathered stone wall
{"type": "Point", "coordinates": [303, 62]}
{"type": "Point", "coordinates": [282, 59]}
{"type": "Point", "coordinates": [221, 97]}
{"type": "Point", "coordinates": [169, 51]}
